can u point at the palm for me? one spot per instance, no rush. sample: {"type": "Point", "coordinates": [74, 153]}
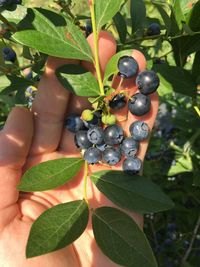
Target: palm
{"type": "Point", "coordinates": [50, 141]}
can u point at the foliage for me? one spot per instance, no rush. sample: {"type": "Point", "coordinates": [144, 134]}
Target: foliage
{"type": "Point", "coordinates": [173, 151]}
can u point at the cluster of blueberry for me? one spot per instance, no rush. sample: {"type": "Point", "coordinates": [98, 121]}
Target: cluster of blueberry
{"type": "Point", "coordinates": [109, 144]}
{"type": "Point", "coordinates": [7, 3]}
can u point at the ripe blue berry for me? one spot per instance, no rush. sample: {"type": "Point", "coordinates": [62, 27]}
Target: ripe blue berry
{"type": "Point", "coordinates": [129, 147]}
{"type": "Point", "coordinates": [113, 135]}
{"type": "Point", "coordinates": [153, 29]}
{"type": "Point", "coordinates": [118, 102]}
{"type": "Point", "coordinates": [95, 135]}
{"type": "Point", "coordinates": [88, 27]}
{"type": "Point", "coordinates": [95, 121]}
{"type": "Point", "coordinates": [132, 165]}
{"type": "Point", "coordinates": [139, 130]}
{"type": "Point", "coordinates": [74, 123]}
{"type": "Point", "coordinates": [139, 104]}
{"type": "Point", "coordinates": [81, 140]}
{"type": "Point", "coordinates": [92, 155]}
{"type": "Point", "coordinates": [9, 54]}
{"type": "Point", "coordinates": [128, 67]}
{"type": "Point", "coordinates": [147, 82]}
{"type": "Point", "coordinates": [111, 156]}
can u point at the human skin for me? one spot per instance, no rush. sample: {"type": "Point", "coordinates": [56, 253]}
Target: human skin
{"type": "Point", "coordinates": [31, 137]}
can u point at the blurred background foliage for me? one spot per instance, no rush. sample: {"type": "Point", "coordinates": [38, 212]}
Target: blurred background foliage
{"type": "Point", "coordinates": [173, 157]}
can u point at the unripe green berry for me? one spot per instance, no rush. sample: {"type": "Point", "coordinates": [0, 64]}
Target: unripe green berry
{"type": "Point", "coordinates": [109, 119]}
{"type": "Point", "coordinates": [87, 115]}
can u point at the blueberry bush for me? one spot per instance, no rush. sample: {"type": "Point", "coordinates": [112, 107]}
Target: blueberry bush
{"type": "Point", "coordinates": [167, 193]}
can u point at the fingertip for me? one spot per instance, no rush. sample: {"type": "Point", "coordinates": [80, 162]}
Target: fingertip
{"type": "Point", "coordinates": [140, 58]}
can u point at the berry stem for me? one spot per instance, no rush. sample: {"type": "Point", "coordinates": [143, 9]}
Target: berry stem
{"type": "Point", "coordinates": [85, 181]}
{"type": "Point", "coordinates": [10, 26]}
{"type": "Point", "coordinates": [96, 52]}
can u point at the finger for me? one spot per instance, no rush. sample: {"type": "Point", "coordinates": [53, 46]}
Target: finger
{"type": "Point", "coordinates": [49, 108]}
{"type": "Point", "coordinates": [15, 141]}
{"type": "Point", "coordinates": [78, 104]}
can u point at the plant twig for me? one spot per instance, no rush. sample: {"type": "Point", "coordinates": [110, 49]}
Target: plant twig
{"type": "Point", "coordinates": [96, 53]}
{"type": "Point", "coordinates": [10, 26]}
{"type": "Point", "coordinates": [187, 253]}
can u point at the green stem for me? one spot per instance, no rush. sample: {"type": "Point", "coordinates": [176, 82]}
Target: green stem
{"type": "Point", "coordinates": [4, 20]}
{"type": "Point", "coordinates": [85, 182]}
{"type": "Point", "coordinates": [195, 232]}
{"type": "Point", "coordinates": [96, 52]}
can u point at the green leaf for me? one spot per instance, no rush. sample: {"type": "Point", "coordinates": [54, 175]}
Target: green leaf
{"type": "Point", "coordinates": [11, 83]}
{"type": "Point", "coordinates": [78, 80]}
{"type": "Point", "coordinates": [164, 16]}
{"type": "Point", "coordinates": [138, 14]}
{"type": "Point", "coordinates": [57, 228]}
{"type": "Point", "coordinates": [178, 13]}
{"type": "Point", "coordinates": [135, 193]}
{"type": "Point", "coordinates": [111, 67]}
{"type": "Point", "coordinates": [176, 78]}
{"type": "Point", "coordinates": [193, 18]}
{"type": "Point", "coordinates": [120, 238]}
{"type": "Point", "coordinates": [50, 174]}
{"type": "Point", "coordinates": [183, 164]}
{"type": "Point", "coordinates": [105, 10]}
{"type": "Point", "coordinates": [120, 24]}
{"type": "Point", "coordinates": [195, 66]}
{"type": "Point", "coordinates": [63, 39]}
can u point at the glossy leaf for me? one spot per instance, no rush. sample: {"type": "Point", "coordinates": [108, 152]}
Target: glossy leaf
{"type": "Point", "coordinates": [57, 228]}
{"type": "Point", "coordinates": [178, 13]}
{"type": "Point", "coordinates": [78, 80]}
{"type": "Point", "coordinates": [121, 27]}
{"type": "Point", "coordinates": [120, 238]}
{"type": "Point", "coordinates": [61, 39]}
{"type": "Point", "coordinates": [164, 16]}
{"type": "Point", "coordinates": [138, 14]}
{"type": "Point", "coordinates": [111, 67]}
{"type": "Point", "coordinates": [50, 174]}
{"type": "Point", "coordinates": [129, 192]}
{"type": "Point", "coordinates": [105, 10]}
{"type": "Point", "coordinates": [176, 78]}
{"type": "Point", "coordinates": [195, 67]}
{"type": "Point", "coordinates": [193, 18]}
{"type": "Point", "coordinates": [12, 83]}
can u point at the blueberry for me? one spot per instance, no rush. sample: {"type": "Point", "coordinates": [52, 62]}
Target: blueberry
{"type": "Point", "coordinates": [168, 242]}
{"type": "Point", "coordinates": [95, 121]}
{"type": "Point", "coordinates": [132, 165]}
{"type": "Point", "coordinates": [111, 156]}
{"type": "Point", "coordinates": [153, 29]}
{"type": "Point", "coordinates": [81, 139]}
{"type": "Point", "coordinates": [139, 104]}
{"type": "Point", "coordinates": [129, 147]}
{"type": "Point", "coordinates": [102, 147]}
{"type": "Point", "coordinates": [128, 67]}
{"type": "Point", "coordinates": [118, 102]}
{"type": "Point", "coordinates": [139, 130]}
{"type": "Point", "coordinates": [95, 135]}
{"type": "Point", "coordinates": [92, 155]}
{"type": "Point", "coordinates": [147, 82]}
{"type": "Point", "coordinates": [74, 123]}
{"type": "Point", "coordinates": [171, 226]}
{"type": "Point", "coordinates": [186, 244]}
{"type": "Point", "coordinates": [88, 27]}
{"type": "Point", "coordinates": [9, 54]}
{"type": "Point", "coordinates": [113, 135]}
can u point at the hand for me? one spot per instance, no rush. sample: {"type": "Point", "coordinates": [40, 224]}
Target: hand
{"type": "Point", "coordinates": [31, 137]}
